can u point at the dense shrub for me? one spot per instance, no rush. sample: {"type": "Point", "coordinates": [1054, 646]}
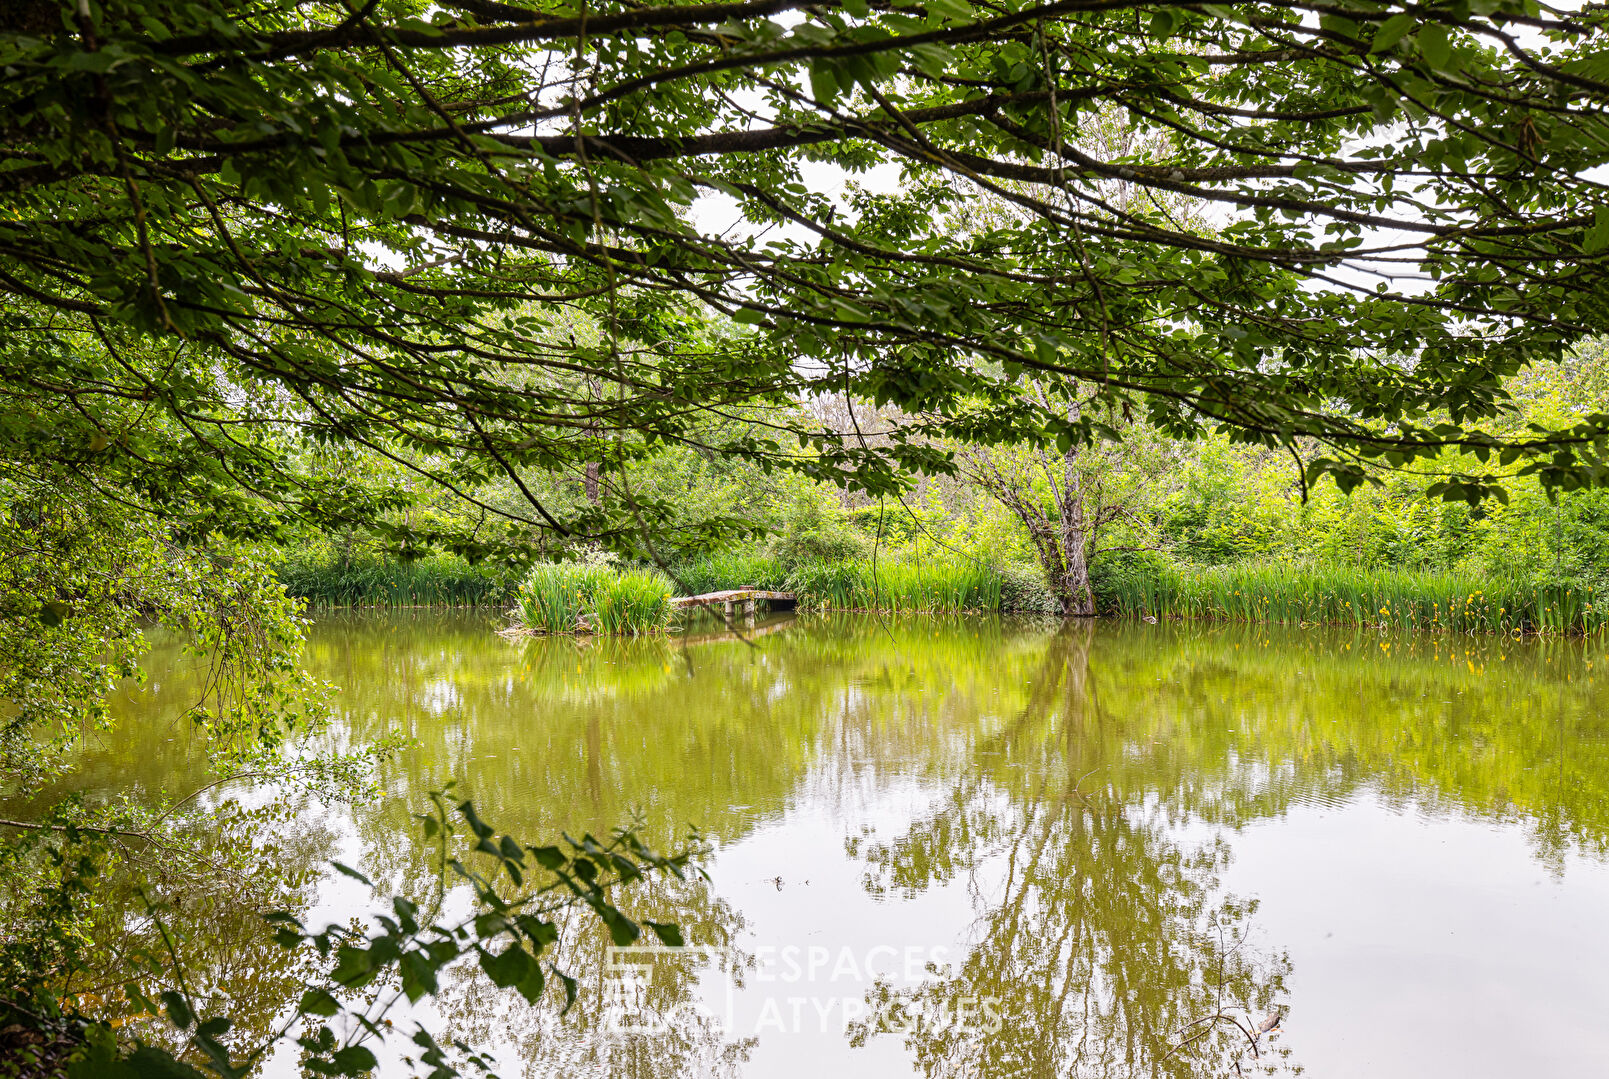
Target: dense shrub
{"type": "Point", "coordinates": [890, 526]}
{"type": "Point", "coordinates": [1023, 590]}
{"type": "Point", "coordinates": [814, 532]}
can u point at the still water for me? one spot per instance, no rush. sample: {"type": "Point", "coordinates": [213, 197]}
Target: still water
{"type": "Point", "coordinates": [997, 849]}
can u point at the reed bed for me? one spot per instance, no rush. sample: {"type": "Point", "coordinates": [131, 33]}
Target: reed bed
{"type": "Point", "coordinates": [904, 586]}
{"type": "Point", "coordinates": [433, 581]}
{"type": "Point", "coordinates": [561, 597]}
{"type": "Point", "coordinates": [1376, 598]}
{"type": "Point", "coordinates": [729, 569]}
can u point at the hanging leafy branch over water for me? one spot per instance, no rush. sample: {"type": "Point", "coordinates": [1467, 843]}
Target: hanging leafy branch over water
{"type": "Point", "coordinates": [390, 226]}
{"type": "Point", "coordinates": [519, 905]}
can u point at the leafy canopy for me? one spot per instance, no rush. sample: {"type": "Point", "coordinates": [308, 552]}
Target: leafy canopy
{"type": "Point", "coordinates": [378, 225]}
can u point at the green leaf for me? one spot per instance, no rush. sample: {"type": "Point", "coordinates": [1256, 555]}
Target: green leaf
{"type": "Point", "coordinates": [1434, 44]}
{"type": "Point", "coordinates": [347, 870]}
{"type": "Point", "coordinates": [823, 82]}
{"type": "Point", "coordinates": [216, 1027]}
{"type": "Point", "coordinates": [481, 829]}
{"type": "Point", "coordinates": [622, 930]}
{"type": "Point", "coordinates": [508, 969]}
{"type": "Point", "coordinates": [418, 975]}
{"type": "Point", "coordinates": [353, 966]}
{"type": "Point", "coordinates": [178, 1009]}
{"type": "Point", "coordinates": [540, 932]}
{"type": "Point", "coordinates": [569, 987]}
{"type": "Point", "coordinates": [318, 1002]}
{"type": "Point", "coordinates": [530, 987]}
{"type": "Point", "coordinates": [669, 935]}
{"type": "Point", "coordinates": [1392, 31]}
{"type": "Point", "coordinates": [549, 857]}
{"type": "Point", "coordinates": [1597, 236]}
{"type": "Point", "coordinates": [354, 1060]}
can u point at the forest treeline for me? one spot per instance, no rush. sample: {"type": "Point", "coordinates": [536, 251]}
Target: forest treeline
{"type": "Point", "coordinates": [1160, 513]}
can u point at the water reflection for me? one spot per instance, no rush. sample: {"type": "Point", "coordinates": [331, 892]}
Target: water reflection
{"type": "Point", "coordinates": [1059, 806]}
{"type": "Point", "coordinates": [1107, 943]}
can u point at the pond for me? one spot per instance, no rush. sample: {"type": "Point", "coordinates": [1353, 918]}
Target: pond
{"type": "Point", "coordinates": [993, 848]}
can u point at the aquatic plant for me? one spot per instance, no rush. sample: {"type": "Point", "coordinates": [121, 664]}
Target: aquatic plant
{"type": "Point", "coordinates": [1384, 598]}
{"type": "Point", "coordinates": [631, 602]}
{"type": "Point", "coordinates": [433, 581]}
{"type": "Point", "coordinates": [559, 597]}
{"type": "Point", "coordinates": [905, 585]}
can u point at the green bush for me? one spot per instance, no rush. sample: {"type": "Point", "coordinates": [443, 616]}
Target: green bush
{"type": "Point", "coordinates": [817, 532]}
{"type": "Point", "coordinates": [1023, 590]}
{"type": "Point", "coordinates": [824, 544]}
{"type": "Point", "coordinates": [890, 526]}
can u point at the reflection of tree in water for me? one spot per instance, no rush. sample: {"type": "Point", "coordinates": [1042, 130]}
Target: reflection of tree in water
{"type": "Point", "coordinates": [1103, 944]}
{"type": "Point", "coordinates": [546, 1040]}
{"type": "Point", "coordinates": [205, 911]}
{"type": "Point", "coordinates": [1078, 749]}
{"type": "Point", "coordinates": [1070, 757]}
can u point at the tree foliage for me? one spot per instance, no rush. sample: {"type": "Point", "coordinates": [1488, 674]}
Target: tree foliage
{"type": "Point", "coordinates": [380, 225]}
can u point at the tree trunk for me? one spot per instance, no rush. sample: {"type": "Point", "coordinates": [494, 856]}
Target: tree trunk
{"type": "Point", "coordinates": [1073, 591]}
{"type": "Point", "coordinates": [591, 482]}
{"type": "Point", "coordinates": [1069, 582]}
{"type": "Point", "coordinates": [591, 470]}
{"type": "Point", "coordinates": [1061, 537]}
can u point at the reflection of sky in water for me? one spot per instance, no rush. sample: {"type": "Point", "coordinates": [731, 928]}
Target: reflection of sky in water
{"type": "Point", "coordinates": [1430, 945]}
{"type": "Point", "coordinates": [438, 696]}
{"type": "Point", "coordinates": [815, 938]}
{"type": "Point", "coordinates": [1421, 829]}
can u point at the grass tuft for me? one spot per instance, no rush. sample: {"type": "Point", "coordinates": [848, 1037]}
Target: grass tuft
{"type": "Point", "coordinates": [561, 597]}
{"type": "Point", "coordinates": [727, 570]}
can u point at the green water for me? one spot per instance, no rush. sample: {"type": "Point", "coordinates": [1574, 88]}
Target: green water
{"type": "Point", "coordinates": [1003, 849]}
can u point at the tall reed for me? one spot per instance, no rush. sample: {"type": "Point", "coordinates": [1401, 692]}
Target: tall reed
{"type": "Point", "coordinates": [906, 586]}
{"type": "Point", "coordinates": [729, 569]}
{"type": "Point", "coordinates": [1387, 598]}
{"type": "Point", "coordinates": [432, 581]}
{"type": "Point", "coordinates": [568, 598]}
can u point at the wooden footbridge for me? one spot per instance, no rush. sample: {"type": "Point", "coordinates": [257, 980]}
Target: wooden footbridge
{"type": "Point", "coordinates": [730, 599]}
